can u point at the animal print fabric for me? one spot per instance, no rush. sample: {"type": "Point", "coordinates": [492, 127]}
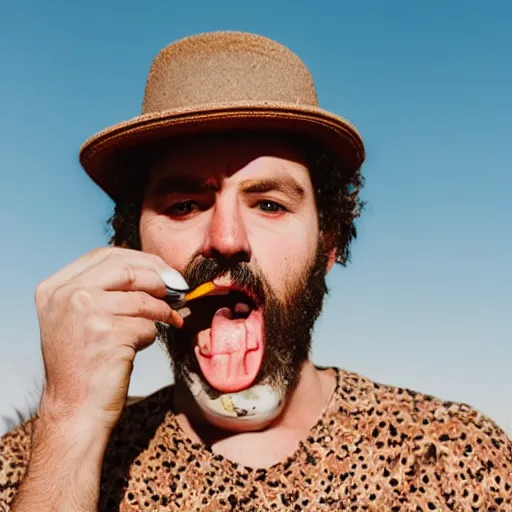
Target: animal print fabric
{"type": "Point", "coordinates": [375, 448]}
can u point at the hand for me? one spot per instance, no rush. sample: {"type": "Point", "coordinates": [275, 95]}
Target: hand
{"type": "Point", "coordinates": [94, 316]}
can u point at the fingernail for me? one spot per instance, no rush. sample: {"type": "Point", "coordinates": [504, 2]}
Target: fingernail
{"type": "Point", "coordinates": [184, 312]}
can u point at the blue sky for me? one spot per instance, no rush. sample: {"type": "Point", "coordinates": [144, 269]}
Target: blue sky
{"type": "Point", "coordinates": [425, 302]}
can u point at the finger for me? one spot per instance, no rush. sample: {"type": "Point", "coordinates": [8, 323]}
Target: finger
{"type": "Point", "coordinates": [135, 333]}
{"type": "Point", "coordinates": [140, 304]}
{"type": "Point", "coordinates": [91, 259]}
{"type": "Point", "coordinates": [121, 276]}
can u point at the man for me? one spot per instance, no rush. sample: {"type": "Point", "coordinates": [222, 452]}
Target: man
{"type": "Point", "coordinates": [231, 175]}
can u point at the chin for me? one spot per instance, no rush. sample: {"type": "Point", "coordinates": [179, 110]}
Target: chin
{"type": "Point", "coordinates": [240, 349]}
{"type": "Point", "coordinates": [247, 410]}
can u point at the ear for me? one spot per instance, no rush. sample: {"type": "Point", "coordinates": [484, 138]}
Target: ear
{"type": "Point", "coordinates": [331, 259]}
{"type": "Point", "coordinates": [331, 251]}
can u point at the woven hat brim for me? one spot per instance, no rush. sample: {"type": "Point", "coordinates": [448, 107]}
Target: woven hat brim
{"type": "Point", "coordinates": [112, 156]}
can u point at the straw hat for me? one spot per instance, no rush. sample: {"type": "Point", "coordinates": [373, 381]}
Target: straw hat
{"type": "Point", "coordinates": [216, 82]}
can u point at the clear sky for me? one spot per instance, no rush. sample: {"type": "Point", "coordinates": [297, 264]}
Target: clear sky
{"type": "Point", "coordinates": [426, 302]}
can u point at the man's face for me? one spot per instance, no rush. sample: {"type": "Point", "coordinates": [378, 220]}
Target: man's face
{"type": "Point", "coordinates": [240, 211]}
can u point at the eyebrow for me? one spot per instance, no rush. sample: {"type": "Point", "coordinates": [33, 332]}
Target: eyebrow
{"type": "Point", "coordinates": [180, 185]}
{"type": "Point", "coordinates": [185, 185]}
{"type": "Point", "coordinates": [287, 186]}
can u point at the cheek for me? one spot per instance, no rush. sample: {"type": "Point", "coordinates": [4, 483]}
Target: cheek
{"type": "Point", "coordinates": [174, 247]}
{"type": "Point", "coordinates": [284, 258]}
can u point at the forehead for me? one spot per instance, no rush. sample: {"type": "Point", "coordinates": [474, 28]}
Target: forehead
{"type": "Point", "coordinates": [229, 156]}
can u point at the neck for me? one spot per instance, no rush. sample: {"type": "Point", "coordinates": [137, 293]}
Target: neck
{"type": "Point", "coordinates": [305, 404]}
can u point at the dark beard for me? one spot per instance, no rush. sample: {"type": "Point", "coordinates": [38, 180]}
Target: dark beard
{"type": "Point", "coordinates": [288, 323]}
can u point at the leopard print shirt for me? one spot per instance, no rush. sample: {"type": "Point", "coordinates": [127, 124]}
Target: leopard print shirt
{"type": "Point", "coordinates": [375, 448]}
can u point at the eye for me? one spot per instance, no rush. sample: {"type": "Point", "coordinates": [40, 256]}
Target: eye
{"type": "Point", "coordinates": [271, 207]}
{"type": "Point", "coordinates": [181, 209]}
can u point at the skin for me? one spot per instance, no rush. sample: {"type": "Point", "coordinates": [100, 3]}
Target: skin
{"type": "Point", "coordinates": [243, 199]}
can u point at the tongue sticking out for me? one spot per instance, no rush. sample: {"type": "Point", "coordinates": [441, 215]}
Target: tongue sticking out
{"type": "Point", "coordinates": [231, 352]}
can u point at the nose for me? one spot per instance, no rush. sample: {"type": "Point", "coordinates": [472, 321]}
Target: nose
{"type": "Point", "coordinates": [226, 238]}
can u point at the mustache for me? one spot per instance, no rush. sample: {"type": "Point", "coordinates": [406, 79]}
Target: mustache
{"type": "Point", "coordinates": [201, 270]}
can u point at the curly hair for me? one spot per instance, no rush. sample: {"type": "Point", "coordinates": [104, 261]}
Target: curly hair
{"type": "Point", "coordinates": [336, 194]}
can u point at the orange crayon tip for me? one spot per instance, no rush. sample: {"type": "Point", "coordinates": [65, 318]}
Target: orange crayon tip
{"type": "Point", "coordinates": [201, 291]}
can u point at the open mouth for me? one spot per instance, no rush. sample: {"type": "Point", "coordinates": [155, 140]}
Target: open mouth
{"type": "Point", "coordinates": [239, 302]}
{"type": "Point", "coordinates": [229, 338]}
